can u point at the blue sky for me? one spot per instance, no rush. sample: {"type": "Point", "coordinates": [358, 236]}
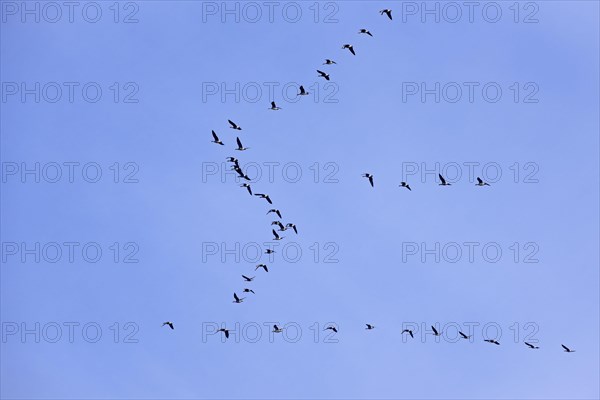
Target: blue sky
{"type": "Point", "coordinates": [173, 210]}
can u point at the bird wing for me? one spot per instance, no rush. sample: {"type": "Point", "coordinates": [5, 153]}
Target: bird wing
{"type": "Point", "coordinates": [371, 180]}
{"type": "Point", "coordinates": [235, 296]}
{"type": "Point", "coordinates": [245, 277]}
{"type": "Point", "coordinates": [434, 330]}
{"type": "Point", "coordinates": [278, 213]}
{"type": "Point", "coordinates": [273, 105]}
{"type": "Point", "coordinates": [275, 234]}
{"type": "Point", "coordinates": [479, 180]}
{"type": "Point", "coordinates": [215, 136]}
{"type": "Point", "coordinates": [233, 125]}
{"type": "Point", "coordinates": [227, 334]}
{"type": "Point", "coordinates": [442, 179]}
{"type": "Point", "coordinates": [352, 50]}
{"type": "Point", "coordinates": [239, 142]}
{"type": "Point", "coordinates": [565, 347]}
{"type": "Point", "coordinates": [322, 73]}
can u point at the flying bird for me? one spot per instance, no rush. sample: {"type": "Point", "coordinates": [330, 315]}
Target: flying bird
{"type": "Point", "coordinates": [263, 266]}
{"type": "Point", "coordinates": [274, 211]}
{"type": "Point", "coordinates": [269, 251]}
{"type": "Point", "coordinates": [480, 182]}
{"type": "Point", "coordinates": [367, 175]}
{"type": "Point", "coordinates": [276, 236]}
{"type": "Point", "coordinates": [225, 331]}
{"type": "Point", "coordinates": [249, 291]}
{"type": "Point", "coordinates": [237, 299]}
{"type": "Point", "coordinates": [387, 12]}
{"type": "Point", "coordinates": [279, 224]}
{"type": "Point", "coordinates": [491, 341]}
{"type": "Point", "coordinates": [277, 329]}
{"type": "Point", "coordinates": [168, 323]}
{"type": "Point", "coordinates": [567, 350]}
{"type": "Point", "coordinates": [463, 335]}
{"type": "Point", "coordinates": [264, 196]}
{"type": "Point", "coordinates": [293, 226]}
{"type": "Point", "coordinates": [366, 32]}
{"type": "Point", "coordinates": [405, 185]}
{"type": "Point", "coordinates": [435, 332]}
{"type": "Point", "coordinates": [216, 139]}
{"type": "Point", "coordinates": [303, 92]}
{"type": "Point", "coordinates": [233, 160]}
{"type": "Point", "coordinates": [247, 186]}
{"type": "Point", "coordinates": [531, 346]}
{"type": "Point", "coordinates": [349, 47]}
{"type": "Point", "coordinates": [329, 62]}
{"type": "Point", "coordinates": [323, 74]}
{"type": "Point", "coordinates": [331, 328]}
{"type": "Point", "coordinates": [248, 279]}
{"type": "Point", "coordinates": [240, 147]}
{"type": "Point", "coordinates": [234, 125]}
{"type": "Point", "coordinates": [409, 332]}
{"type": "Point", "coordinates": [444, 183]}
{"type": "Point", "coordinates": [369, 326]}
{"type": "Point", "coordinates": [274, 107]}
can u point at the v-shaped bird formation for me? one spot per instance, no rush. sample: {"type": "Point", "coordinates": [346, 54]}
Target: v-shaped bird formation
{"type": "Point", "coordinates": [285, 227]}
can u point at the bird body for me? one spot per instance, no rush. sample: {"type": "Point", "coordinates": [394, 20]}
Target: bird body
{"type": "Point", "coordinates": [323, 74]}
{"type": "Point", "coordinates": [480, 182]}
{"type": "Point", "coordinates": [405, 185]}
{"type": "Point", "coordinates": [443, 181]}
{"type": "Point", "coordinates": [303, 92]}
{"type": "Point", "coordinates": [370, 177]}
{"type": "Point", "coordinates": [169, 323]}
{"type": "Point", "coordinates": [349, 47]}
{"type": "Point", "coordinates": [240, 147]}
{"type": "Point", "coordinates": [387, 12]}
{"type": "Point", "coordinates": [264, 196]}
{"type": "Point", "coordinates": [216, 139]}
{"type": "Point", "coordinates": [234, 125]}
{"type": "Point", "coordinates": [274, 211]}
{"type": "Point", "coordinates": [366, 32]}
{"type": "Point", "coordinates": [274, 107]}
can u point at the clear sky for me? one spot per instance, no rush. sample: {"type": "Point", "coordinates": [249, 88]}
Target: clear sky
{"type": "Point", "coordinates": [505, 91]}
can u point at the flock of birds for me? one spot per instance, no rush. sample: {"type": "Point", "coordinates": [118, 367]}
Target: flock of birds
{"type": "Point", "coordinates": [276, 236]}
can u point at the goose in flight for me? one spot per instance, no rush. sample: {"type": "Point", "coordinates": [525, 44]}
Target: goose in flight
{"type": "Point", "coordinates": [293, 226]}
{"type": "Point", "coordinates": [444, 183]}
{"type": "Point", "coordinates": [263, 266]}
{"type": "Point", "coordinates": [366, 32]}
{"type": "Point", "coordinates": [349, 47]}
{"type": "Point", "coordinates": [274, 211]}
{"type": "Point", "coordinates": [387, 12]}
{"type": "Point", "coordinates": [279, 224]}
{"type": "Point", "coordinates": [247, 279]}
{"type": "Point", "coordinates": [274, 107]}
{"type": "Point", "coordinates": [237, 299]}
{"type": "Point", "coordinates": [329, 62]}
{"type": "Point", "coordinates": [277, 329]}
{"type": "Point", "coordinates": [369, 326]}
{"type": "Point", "coordinates": [492, 341]}
{"type": "Point", "coordinates": [333, 328]}
{"type": "Point", "coordinates": [405, 185]}
{"type": "Point", "coordinates": [233, 160]}
{"type": "Point", "coordinates": [225, 331]}
{"type": "Point", "coordinates": [247, 186]}
{"type": "Point", "coordinates": [269, 251]}
{"type": "Point", "coordinates": [323, 74]}
{"type": "Point", "coordinates": [264, 196]}
{"type": "Point", "coordinates": [168, 323]}
{"type": "Point", "coordinates": [435, 332]}
{"type": "Point", "coordinates": [276, 236]}
{"type": "Point", "coordinates": [370, 177]}
{"type": "Point", "coordinates": [216, 139]}
{"type": "Point", "coordinates": [240, 147]}
{"type": "Point", "coordinates": [409, 332]}
{"type": "Point", "coordinates": [531, 346]}
{"type": "Point", "coordinates": [463, 335]}
{"type": "Point", "coordinates": [567, 350]}
{"type": "Point", "coordinates": [249, 291]}
{"type": "Point", "coordinates": [234, 125]}
{"type": "Point", "coordinates": [303, 92]}
{"type": "Point", "coordinates": [480, 182]}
